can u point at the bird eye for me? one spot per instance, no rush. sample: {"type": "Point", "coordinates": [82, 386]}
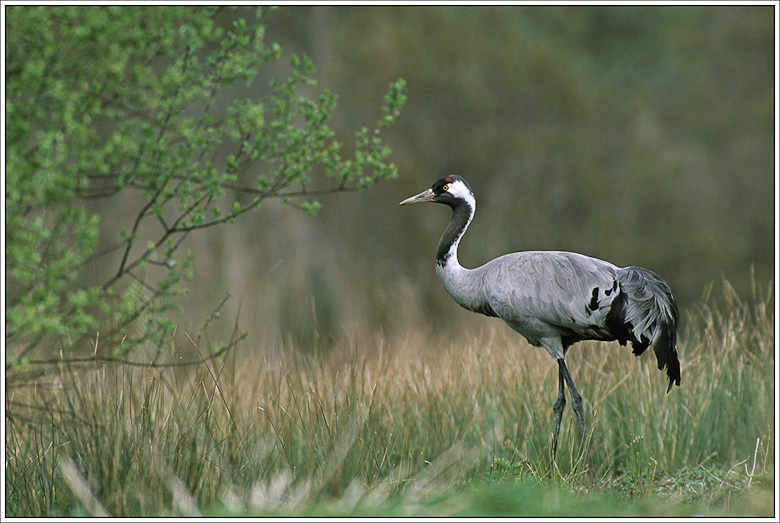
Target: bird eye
{"type": "Point", "coordinates": [445, 188]}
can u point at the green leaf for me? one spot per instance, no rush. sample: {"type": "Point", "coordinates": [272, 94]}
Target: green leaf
{"type": "Point", "coordinates": [311, 208]}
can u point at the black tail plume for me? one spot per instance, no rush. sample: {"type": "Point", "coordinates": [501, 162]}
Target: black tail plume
{"type": "Point", "coordinates": [645, 313]}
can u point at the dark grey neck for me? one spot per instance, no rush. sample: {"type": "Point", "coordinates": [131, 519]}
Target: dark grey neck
{"type": "Point", "coordinates": [461, 216]}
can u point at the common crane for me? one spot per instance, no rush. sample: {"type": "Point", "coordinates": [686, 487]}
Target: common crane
{"type": "Point", "coordinates": [556, 299]}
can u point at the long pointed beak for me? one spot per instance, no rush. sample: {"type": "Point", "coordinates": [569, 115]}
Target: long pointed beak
{"type": "Point", "coordinates": [425, 196]}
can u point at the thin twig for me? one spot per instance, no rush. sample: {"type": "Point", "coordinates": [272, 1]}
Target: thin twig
{"type": "Point", "coordinates": [152, 365]}
{"type": "Point", "coordinates": [753, 468]}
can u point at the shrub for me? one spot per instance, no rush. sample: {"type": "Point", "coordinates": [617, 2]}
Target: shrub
{"type": "Point", "coordinates": [109, 100]}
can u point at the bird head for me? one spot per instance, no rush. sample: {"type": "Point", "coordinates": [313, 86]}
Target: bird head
{"type": "Point", "coordinates": [450, 190]}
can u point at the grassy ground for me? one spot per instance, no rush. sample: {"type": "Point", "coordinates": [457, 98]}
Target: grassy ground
{"type": "Point", "coordinates": [407, 424]}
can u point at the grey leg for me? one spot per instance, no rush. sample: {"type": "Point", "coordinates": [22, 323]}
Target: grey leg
{"type": "Point", "coordinates": [558, 407]}
{"type": "Point", "coordinates": [576, 404]}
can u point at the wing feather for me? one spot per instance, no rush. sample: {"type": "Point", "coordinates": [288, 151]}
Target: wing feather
{"type": "Point", "coordinates": [549, 293]}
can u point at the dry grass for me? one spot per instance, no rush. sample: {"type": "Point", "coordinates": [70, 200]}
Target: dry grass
{"type": "Point", "coordinates": [394, 416]}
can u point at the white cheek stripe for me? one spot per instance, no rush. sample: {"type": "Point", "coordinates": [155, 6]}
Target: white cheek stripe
{"type": "Point", "coordinates": [459, 190]}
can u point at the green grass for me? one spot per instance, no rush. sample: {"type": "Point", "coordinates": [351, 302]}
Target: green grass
{"type": "Point", "coordinates": [407, 424]}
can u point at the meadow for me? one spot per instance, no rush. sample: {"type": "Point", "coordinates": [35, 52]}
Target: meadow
{"type": "Point", "coordinates": [407, 423]}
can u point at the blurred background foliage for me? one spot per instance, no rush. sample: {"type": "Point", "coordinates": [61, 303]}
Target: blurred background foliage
{"type": "Point", "coordinates": [637, 134]}
{"type": "Point", "coordinates": [643, 135]}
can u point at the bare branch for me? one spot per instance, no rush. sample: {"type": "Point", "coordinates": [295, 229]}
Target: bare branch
{"type": "Point", "coordinates": [151, 365]}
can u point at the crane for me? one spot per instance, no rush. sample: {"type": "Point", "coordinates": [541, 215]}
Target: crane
{"type": "Point", "coordinates": [555, 299]}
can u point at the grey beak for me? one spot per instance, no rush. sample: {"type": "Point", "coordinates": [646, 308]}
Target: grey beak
{"type": "Point", "coordinates": [425, 196]}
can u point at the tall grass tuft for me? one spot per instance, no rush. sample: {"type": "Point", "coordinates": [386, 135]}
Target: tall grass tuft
{"type": "Point", "coordinates": [390, 418]}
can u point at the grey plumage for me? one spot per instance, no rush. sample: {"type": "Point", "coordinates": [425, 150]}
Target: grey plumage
{"type": "Point", "coordinates": [555, 299]}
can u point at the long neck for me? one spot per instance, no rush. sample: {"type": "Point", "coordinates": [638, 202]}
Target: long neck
{"type": "Point", "coordinates": [463, 285]}
{"type": "Point", "coordinates": [447, 252]}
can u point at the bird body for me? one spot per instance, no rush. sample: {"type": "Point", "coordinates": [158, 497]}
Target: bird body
{"type": "Point", "coordinates": [541, 294]}
{"type": "Point", "coordinates": [548, 295]}
{"type": "Point", "coordinates": [554, 298]}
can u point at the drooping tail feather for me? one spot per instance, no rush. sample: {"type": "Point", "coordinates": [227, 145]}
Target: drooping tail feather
{"type": "Point", "coordinates": [645, 313]}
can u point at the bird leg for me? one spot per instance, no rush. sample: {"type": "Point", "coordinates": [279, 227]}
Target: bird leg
{"type": "Point", "coordinates": [576, 404]}
{"type": "Point", "coordinates": [558, 407]}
